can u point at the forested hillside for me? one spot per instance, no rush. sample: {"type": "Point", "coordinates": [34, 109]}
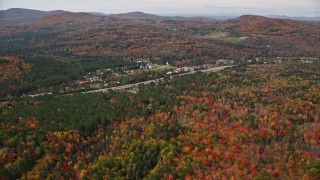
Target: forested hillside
{"type": "Point", "coordinates": [250, 122]}
{"type": "Point", "coordinates": [23, 75]}
{"type": "Point", "coordinates": [82, 34]}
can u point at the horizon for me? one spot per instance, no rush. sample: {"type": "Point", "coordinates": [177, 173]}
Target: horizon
{"type": "Point", "coordinates": [293, 8]}
{"type": "Point", "coordinates": [172, 14]}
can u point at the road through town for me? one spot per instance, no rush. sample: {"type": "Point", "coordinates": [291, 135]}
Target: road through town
{"type": "Point", "coordinates": [128, 86]}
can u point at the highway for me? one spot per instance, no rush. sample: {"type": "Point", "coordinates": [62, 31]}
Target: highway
{"type": "Point", "coordinates": [128, 86]}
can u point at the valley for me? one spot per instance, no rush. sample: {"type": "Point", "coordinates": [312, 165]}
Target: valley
{"type": "Point", "coordinates": [142, 96]}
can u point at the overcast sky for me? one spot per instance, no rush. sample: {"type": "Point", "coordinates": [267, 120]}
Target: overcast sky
{"type": "Point", "coordinates": [170, 7]}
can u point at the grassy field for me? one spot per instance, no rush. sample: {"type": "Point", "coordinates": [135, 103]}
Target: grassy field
{"type": "Point", "coordinates": [225, 37]}
{"type": "Point", "coordinates": [162, 67]}
{"type": "Point", "coordinates": [217, 34]}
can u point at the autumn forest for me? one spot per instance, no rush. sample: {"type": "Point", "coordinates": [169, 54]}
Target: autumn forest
{"type": "Point", "coordinates": [139, 96]}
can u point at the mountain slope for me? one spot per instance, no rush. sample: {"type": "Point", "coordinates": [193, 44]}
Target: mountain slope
{"type": "Point", "coordinates": [84, 34]}
{"type": "Point", "coordinates": [24, 15]}
{"type": "Point", "coordinates": [278, 36]}
{"type": "Point", "coordinates": [267, 26]}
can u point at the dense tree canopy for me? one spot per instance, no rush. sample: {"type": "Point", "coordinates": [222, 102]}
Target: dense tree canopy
{"type": "Point", "coordinates": [80, 34]}
{"type": "Point", "coordinates": [250, 122]}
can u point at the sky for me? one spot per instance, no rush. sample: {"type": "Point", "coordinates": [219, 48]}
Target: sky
{"type": "Point", "coordinates": [308, 8]}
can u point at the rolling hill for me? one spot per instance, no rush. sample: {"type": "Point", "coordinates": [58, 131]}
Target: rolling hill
{"type": "Point", "coordinates": [139, 35]}
{"type": "Point", "coordinates": [24, 15]}
{"type": "Point", "coordinates": [281, 35]}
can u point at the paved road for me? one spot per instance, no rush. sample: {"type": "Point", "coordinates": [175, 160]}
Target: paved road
{"type": "Point", "coordinates": [41, 94]}
{"type": "Point", "coordinates": [128, 86]}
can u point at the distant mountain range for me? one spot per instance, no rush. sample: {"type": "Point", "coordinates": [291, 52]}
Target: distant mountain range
{"type": "Point", "coordinates": [295, 18]}
{"type": "Point", "coordinates": [27, 15]}
{"type": "Point", "coordinates": [144, 16]}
